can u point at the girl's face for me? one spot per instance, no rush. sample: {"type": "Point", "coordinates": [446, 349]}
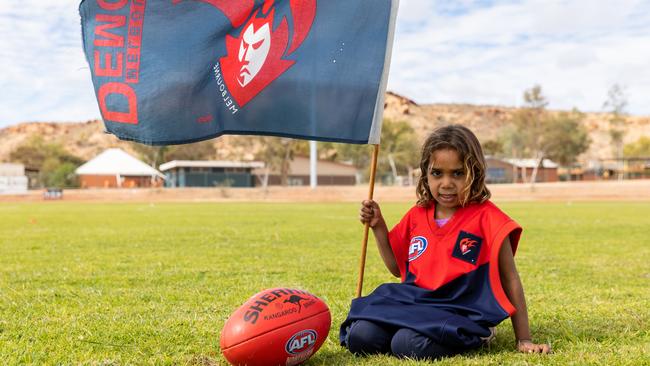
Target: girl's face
{"type": "Point", "coordinates": [446, 178]}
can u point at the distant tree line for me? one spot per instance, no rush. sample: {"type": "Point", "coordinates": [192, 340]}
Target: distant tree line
{"type": "Point", "coordinates": [398, 155]}
{"type": "Point", "coordinates": [55, 166]}
{"type": "Point", "coordinates": [638, 149]}
{"type": "Point", "coordinates": [399, 152]}
{"type": "Point", "coordinates": [156, 155]}
{"type": "Point", "coordinates": [536, 133]}
{"type": "Point", "coordinates": [615, 104]}
{"type": "Point", "coordinates": [533, 132]}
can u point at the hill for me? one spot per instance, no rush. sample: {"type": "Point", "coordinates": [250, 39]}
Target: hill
{"type": "Point", "coordinates": [487, 122]}
{"type": "Point", "coordinates": [87, 139]}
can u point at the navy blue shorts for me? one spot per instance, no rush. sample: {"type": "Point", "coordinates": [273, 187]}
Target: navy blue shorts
{"type": "Point", "coordinates": [394, 307]}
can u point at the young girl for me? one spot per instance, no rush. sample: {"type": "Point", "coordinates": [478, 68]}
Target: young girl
{"type": "Point", "coordinates": [454, 253]}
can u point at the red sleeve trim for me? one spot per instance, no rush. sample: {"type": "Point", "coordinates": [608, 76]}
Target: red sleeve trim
{"type": "Point", "coordinates": [514, 230]}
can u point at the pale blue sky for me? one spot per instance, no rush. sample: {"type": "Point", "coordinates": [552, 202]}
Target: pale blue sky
{"type": "Point", "coordinates": [454, 51]}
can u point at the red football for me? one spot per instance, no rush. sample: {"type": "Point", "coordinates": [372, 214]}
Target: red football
{"type": "Point", "coordinates": [278, 326]}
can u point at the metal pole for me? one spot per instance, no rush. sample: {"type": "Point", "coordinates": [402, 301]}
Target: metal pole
{"type": "Point", "coordinates": [313, 161]}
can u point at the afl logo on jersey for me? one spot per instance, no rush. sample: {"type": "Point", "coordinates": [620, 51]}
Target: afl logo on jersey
{"type": "Point", "coordinates": [417, 246]}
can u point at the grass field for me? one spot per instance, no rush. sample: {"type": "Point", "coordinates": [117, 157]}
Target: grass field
{"type": "Point", "coordinates": [114, 284]}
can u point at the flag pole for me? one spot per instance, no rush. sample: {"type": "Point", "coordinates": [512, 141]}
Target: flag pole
{"type": "Point", "coordinates": [364, 243]}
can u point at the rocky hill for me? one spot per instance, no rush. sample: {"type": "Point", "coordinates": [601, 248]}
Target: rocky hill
{"type": "Point", "coordinates": [487, 122]}
{"type": "Point", "coordinates": [87, 139]}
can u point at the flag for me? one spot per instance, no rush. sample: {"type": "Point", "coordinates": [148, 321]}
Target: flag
{"type": "Point", "coordinates": [180, 71]}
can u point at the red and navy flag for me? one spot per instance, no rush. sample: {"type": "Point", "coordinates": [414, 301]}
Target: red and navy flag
{"type": "Point", "coordinates": [180, 71]}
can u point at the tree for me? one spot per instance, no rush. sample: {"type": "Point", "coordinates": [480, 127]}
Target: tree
{"type": "Point", "coordinates": [152, 155]}
{"type": "Point", "coordinates": [512, 140]}
{"type": "Point", "coordinates": [398, 155]}
{"type": "Point", "coordinates": [33, 152]}
{"type": "Point", "coordinates": [55, 165]}
{"type": "Point", "coordinates": [357, 155]}
{"type": "Point", "coordinates": [565, 137]}
{"type": "Point", "coordinates": [535, 99]}
{"type": "Point", "coordinates": [640, 148]}
{"type": "Point", "coordinates": [60, 175]}
{"type": "Point", "coordinates": [277, 153]}
{"type": "Point", "coordinates": [399, 149]}
{"type": "Point", "coordinates": [537, 134]}
{"type": "Point", "coordinates": [203, 150]}
{"type": "Point", "coordinates": [529, 128]}
{"type": "Point", "coordinates": [615, 104]}
{"type": "Point", "coordinates": [156, 155]}
{"type": "Point", "coordinates": [492, 147]}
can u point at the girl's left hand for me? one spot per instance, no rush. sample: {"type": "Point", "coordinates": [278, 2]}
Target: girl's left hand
{"type": "Point", "coordinates": [530, 347]}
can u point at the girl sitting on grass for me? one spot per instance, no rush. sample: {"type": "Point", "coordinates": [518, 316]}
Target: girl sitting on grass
{"type": "Point", "coordinates": [454, 253]}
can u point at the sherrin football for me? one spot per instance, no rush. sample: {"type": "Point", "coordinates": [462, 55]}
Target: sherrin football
{"type": "Point", "coordinates": [279, 326]}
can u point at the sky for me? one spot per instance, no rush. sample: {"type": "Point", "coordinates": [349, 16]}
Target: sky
{"type": "Point", "coordinates": [484, 52]}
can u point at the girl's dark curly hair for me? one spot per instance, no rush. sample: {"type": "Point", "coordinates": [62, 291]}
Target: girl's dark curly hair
{"type": "Point", "coordinates": [465, 143]}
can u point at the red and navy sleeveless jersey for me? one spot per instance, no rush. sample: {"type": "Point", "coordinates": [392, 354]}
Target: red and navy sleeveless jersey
{"type": "Point", "coordinates": [451, 287]}
{"type": "Point", "coordinates": [431, 257]}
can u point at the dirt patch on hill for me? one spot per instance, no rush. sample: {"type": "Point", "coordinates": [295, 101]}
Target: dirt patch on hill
{"type": "Point", "coordinates": [638, 190]}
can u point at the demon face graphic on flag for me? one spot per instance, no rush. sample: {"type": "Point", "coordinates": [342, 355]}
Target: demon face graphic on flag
{"type": "Point", "coordinates": [258, 51]}
{"type": "Point", "coordinates": [253, 50]}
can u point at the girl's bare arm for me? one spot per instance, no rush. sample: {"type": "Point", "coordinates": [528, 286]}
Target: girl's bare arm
{"type": "Point", "coordinates": [515, 291]}
{"type": "Point", "coordinates": [371, 213]}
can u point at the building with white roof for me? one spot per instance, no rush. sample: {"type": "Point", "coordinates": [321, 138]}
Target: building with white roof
{"type": "Point", "coordinates": [114, 168]}
{"type": "Point", "coordinates": [219, 173]}
{"type": "Point", "coordinates": [531, 163]}
{"type": "Point", "coordinates": [210, 173]}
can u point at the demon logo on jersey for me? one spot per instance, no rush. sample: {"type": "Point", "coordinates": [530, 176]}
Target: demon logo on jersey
{"type": "Point", "coordinates": [468, 247]}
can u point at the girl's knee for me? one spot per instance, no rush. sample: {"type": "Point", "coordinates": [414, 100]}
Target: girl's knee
{"type": "Point", "coordinates": [366, 337]}
{"type": "Point", "coordinates": [409, 343]}
{"type": "Point", "coordinates": [403, 345]}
